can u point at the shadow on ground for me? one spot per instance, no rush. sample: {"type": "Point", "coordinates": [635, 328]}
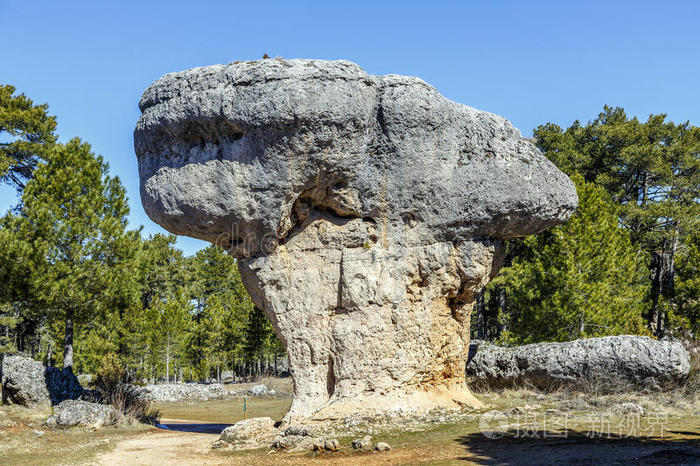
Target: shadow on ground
{"type": "Point", "coordinates": [195, 428]}
{"type": "Point", "coordinates": [511, 447]}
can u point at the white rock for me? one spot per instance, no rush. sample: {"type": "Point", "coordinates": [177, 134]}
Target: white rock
{"type": "Point", "coordinates": [247, 434]}
{"type": "Point", "coordinates": [365, 211]}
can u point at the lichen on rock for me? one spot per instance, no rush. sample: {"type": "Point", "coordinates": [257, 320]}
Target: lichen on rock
{"type": "Point", "coordinates": [365, 211]}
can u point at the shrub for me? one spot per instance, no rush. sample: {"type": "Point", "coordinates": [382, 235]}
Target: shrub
{"type": "Point", "coordinates": [125, 399]}
{"type": "Point", "coordinates": [110, 382]}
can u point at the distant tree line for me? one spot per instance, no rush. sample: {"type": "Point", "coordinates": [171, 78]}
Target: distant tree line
{"type": "Point", "coordinates": [78, 288]}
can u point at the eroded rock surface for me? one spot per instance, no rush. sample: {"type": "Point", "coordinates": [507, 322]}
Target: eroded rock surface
{"type": "Point", "coordinates": [72, 413]}
{"type": "Point", "coordinates": [618, 363]}
{"type": "Point", "coordinates": [28, 382]}
{"type": "Point", "coordinates": [248, 434]}
{"type": "Point", "coordinates": [365, 212]}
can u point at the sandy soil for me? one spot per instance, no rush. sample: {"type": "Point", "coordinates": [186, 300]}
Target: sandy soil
{"type": "Point", "coordinates": [158, 447]}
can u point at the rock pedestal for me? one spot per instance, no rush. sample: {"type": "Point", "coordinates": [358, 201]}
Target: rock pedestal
{"type": "Point", "coordinates": [365, 211]}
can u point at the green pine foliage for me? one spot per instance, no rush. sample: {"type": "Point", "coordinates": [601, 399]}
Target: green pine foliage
{"type": "Point", "coordinates": [580, 279]}
{"type": "Point", "coordinates": [651, 171]}
{"type": "Point", "coordinates": [26, 135]}
{"type": "Point", "coordinates": [686, 313]}
{"type": "Point", "coordinates": [7, 323]}
{"type": "Point", "coordinates": [74, 216]}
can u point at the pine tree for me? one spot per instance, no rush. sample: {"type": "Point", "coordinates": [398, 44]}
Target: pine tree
{"type": "Point", "coordinates": [26, 135]}
{"type": "Point", "coordinates": [7, 323]}
{"type": "Point", "coordinates": [651, 170]}
{"type": "Point", "coordinates": [168, 321]}
{"type": "Point", "coordinates": [687, 310]}
{"type": "Point", "coordinates": [580, 279]}
{"type": "Point", "coordinates": [74, 215]}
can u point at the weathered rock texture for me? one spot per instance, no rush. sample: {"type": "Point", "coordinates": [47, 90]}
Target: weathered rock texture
{"type": "Point", "coordinates": [608, 363]}
{"type": "Point", "coordinates": [73, 413]}
{"type": "Point", "coordinates": [248, 434]}
{"type": "Point", "coordinates": [365, 211]}
{"type": "Point", "coordinates": [27, 382]}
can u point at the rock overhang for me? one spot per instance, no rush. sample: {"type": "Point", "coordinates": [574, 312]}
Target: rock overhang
{"type": "Point", "coordinates": [229, 151]}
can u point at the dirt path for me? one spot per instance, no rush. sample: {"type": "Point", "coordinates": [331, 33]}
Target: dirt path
{"type": "Point", "coordinates": [158, 447]}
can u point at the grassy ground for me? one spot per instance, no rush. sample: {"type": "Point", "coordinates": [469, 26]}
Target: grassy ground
{"type": "Point", "coordinates": [24, 441]}
{"type": "Point", "coordinates": [225, 411]}
{"type": "Point", "coordinates": [528, 427]}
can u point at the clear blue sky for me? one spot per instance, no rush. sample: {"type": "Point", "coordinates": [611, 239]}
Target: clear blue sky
{"type": "Point", "coordinates": [530, 61]}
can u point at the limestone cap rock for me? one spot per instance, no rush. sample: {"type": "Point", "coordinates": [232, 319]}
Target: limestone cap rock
{"type": "Point", "coordinates": [238, 154]}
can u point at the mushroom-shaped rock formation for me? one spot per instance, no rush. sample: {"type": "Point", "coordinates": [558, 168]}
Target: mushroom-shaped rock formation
{"type": "Point", "coordinates": [365, 211]}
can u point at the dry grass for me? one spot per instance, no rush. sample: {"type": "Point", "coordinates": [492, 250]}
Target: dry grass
{"type": "Point", "coordinates": [125, 399]}
{"type": "Point", "coordinates": [20, 444]}
{"type": "Point", "coordinates": [225, 411]}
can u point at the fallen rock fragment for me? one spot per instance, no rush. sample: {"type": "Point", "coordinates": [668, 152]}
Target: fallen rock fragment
{"type": "Point", "coordinates": [362, 444]}
{"type": "Point", "coordinates": [382, 446]}
{"type": "Point", "coordinates": [74, 413]}
{"type": "Point", "coordinates": [615, 363]}
{"type": "Point", "coordinates": [248, 434]}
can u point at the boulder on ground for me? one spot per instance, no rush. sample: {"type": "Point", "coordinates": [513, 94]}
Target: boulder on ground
{"type": "Point", "coordinates": [362, 444]}
{"type": "Point", "coordinates": [24, 382]}
{"type": "Point", "coordinates": [27, 382]}
{"type": "Point", "coordinates": [298, 438]}
{"type": "Point", "coordinates": [251, 433]}
{"type": "Point", "coordinates": [259, 390]}
{"type": "Point", "coordinates": [382, 446]}
{"type": "Point", "coordinates": [73, 413]}
{"type": "Point", "coordinates": [366, 213]}
{"type": "Point", "coordinates": [609, 363]}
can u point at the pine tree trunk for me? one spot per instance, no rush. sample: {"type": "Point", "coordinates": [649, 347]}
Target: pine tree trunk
{"type": "Point", "coordinates": [167, 361]}
{"type": "Point", "coordinates": [68, 341]}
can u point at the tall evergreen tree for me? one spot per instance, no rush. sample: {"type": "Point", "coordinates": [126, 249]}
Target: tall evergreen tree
{"type": "Point", "coordinates": [26, 135]}
{"type": "Point", "coordinates": [651, 170]}
{"type": "Point", "coordinates": [580, 279]}
{"type": "Point", "coordinates": [687, 309]}
{"type": "Point", "coordinates": [74, 214]}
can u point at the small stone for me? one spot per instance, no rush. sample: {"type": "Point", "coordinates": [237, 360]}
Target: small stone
{"type": "Point", "coordinates": [319, 445]}
{"type": "Point", "coordinates": [297, 429]}
{"type": "Point", "coordinates": [627, 409]}
{"type": "Point", "coordinates": [382, 446]}
{"type": "Point", "coordinates": [332, 445]}
{"type": "Point", "coordinates": [38, 433]}
{"type": "Point", "coordinates": [363, 444]}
